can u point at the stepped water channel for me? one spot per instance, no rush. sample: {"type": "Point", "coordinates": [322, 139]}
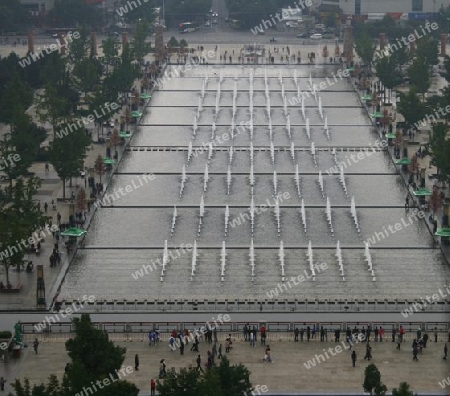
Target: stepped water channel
{"type": "Point", "coordinates": [211, 177]}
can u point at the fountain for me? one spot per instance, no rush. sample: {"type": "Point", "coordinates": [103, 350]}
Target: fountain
{"type": "Point", "coordinates": [297, 181]}
{"type": "Point", "coordinates": [292, 150]}
{"type": "Point", "coordinates": [252, 177]}
{"type": "Point", "coordinates": [251, 153]}
{"type": "Point", "coordinates": [227, 218]}
{"type": "Point", "coordinates": [268, 107]}
{"type": "Point", "coordinates": [329, 218]}
{"type": "Point", "coordinates": [250, 128]}
{"type": "Point", "coordinates": [368, 260]}
{"type": "Point", "coordinates": [252, 214]}
{"type": "Point", "coordinates": [333, 152]}
{"type": "Point", "coordinates": [165, 261]}
{"type": "Point", "coordinates": [280, 78]}
{"type": "Point", "coordinates": [229, 179]}
{"type": "Point", "coordinates": [313, 153]}
{"type": "Point", "coordinates": [303, 214]}
{"type": "Point", "coordinates": [354, 214]}
{"type": "Point", "coordinates": [272, 154]}
{"type": "Point", "coordinates": [189, 152]}
{"type": "Point", "coordinates": [282, 91]}
{"type": "Point", "coordinates": [275, 184]}
{"type": "Point", "coordinates": [321, 184]}
{"type": "Point", "coordinates": [174, 220]}
{"type": "Point", "coordinates": [194, 260]}
{"type": "Point", "coordinates": [204, 88]}
{"type": "Point", "coordinates": [295, 78]}
{"type": "Point", "coordinates": [183, 179]}
{"type": "Point", "coordinates": [325, 124]}
{"type": "Point", "coordinates": [270, 129]}
{"type": "Point", "coordinates": [288, 127]}
{"type": "Point", "coordinates": [285, 108]}
{"type": "Point", "coordinates": [303, 108]}
{"type": "Point", "coordinates": [252, 259]}
{"type": "Point", "coordinates": [320, 108]}
{"type": "Point", "coordinates": [210, 151]}
{"type": "Point", "coordinates": [230, 155]}
{"type": "Point", "coordinates": [223, 260]}
{"type": "Point", "coordinates": [339, 259]}
{"type": "Point", "coordinates": [194, 127]}
{"type": "Point", "coordinates": [342, 180]}
{"type": "Point", "coordinates": [278, 217]}
{"type": "Point", "coordinates": [311, 261]}
{"type": "Point", "coordinates": [308, 132]}
{"type": "Point", "coordinates": [202, 213]}
{"type": "Point", "coordinates": [281, 257]}
{"type": "Point", "coordinates": [205, 178]}
{"type": "Point", "coordinates": [310, 81]}
{"type": "Point", "coordinates": [213, 132]}
{"type": "Point", "coordinates": [200, 105]}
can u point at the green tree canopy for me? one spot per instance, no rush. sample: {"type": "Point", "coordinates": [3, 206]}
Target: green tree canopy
{"type": "Point", "coordinates": [439, 149]}
{"type": "Point", "coordinates": [372, 381]}
{"type": "Point", "coordinates": [412, 109]}
{"type": "Point", "coordinates": [419, 74]}
{"type": "Point", "coordinates": [403, 390]}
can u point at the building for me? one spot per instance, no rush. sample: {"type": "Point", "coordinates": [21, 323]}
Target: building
{"type": "Point", "coordinates": [366, 7]}
{"type": "Point", "coordinates": [38, 8]}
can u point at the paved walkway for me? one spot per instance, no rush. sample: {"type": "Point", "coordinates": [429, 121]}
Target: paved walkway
{"type": "Point", "coordinates": [286, 374]}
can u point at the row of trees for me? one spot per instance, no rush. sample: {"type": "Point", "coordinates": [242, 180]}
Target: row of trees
{"type": "Point", "coordinates": [393, 66]}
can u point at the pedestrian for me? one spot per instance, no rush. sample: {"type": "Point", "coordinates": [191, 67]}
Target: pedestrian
{"type": "Point", "coordinates": [407, 203]}
{"type": "Point", "coordinates": [152, 387]}
{"type": "Point", "coordinates": [199, 364]}
{"type": "Point", "coordinates": [47, 167]}
{"type": "Point", "coordinates": [67, 368]}
{"type": "Point", "coordinates": [181, 345]}
{"type": "Point", "coordinates": [368, 354]}
{"type": "Point", "coordinates": [322, 334]}
{"type": "Point", "coordinates": [245, 332]}
{"type": "Point", "coordinates": [263, 335]}
{"type": "Point", "coordinates": [35, 345]}
{"type": "Point", "coordinates": [435, 334]}
{"type": "Point", "coordinates": [381, 333]}
{"type": "Point", "coordinates": [2, 384]}
{"type": "Point", "coordinates": [302, 332]}
{"type": "Point", "coordinates": [399, 341]}
{"type": "Point", "coordinates": [394, 331]}
{"type": "Point", "coordinates": [354, 358]}
{"type": "Point", "coordinates": [219, 352]}
{"type": "Point", "coordinates": [45, 207]}
{"type": "Point", "coordinates": [445, 352]}
{"type": "Point", "coordinates": [425, 340]}
{"type": "Point", "coordinates": [415, 350]}
{"type": "Point", "coordinates": [162, 369]}
{"type": "Point", "coordinates": [215, 334]}
{"type": "Point", "coordinates": [136, 362]}
{"type": "Point", "coordinates": [308, 333]}
{"type": "Point", "coordinates": [252, 339]}
{"type": "Point", "coordinates": [296, 332]}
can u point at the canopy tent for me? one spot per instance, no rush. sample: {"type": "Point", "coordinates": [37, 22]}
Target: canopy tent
{"type": "Point", "coordinates": [423, 192]}
{"type": "Point", "coordinates": [391, 135]}
{"type": "Point", "coordinates": [145, 96]}
{"type": "Point", "coordinates": [108, 161]}
{"type": "Point", "coordinates": [125, 134]}
{"type": "Point", "coordinates": [350, 69]}
{"type": "Point", "coordinates": [377, 115]}
{"type": "Point", "coordinates": [73, 232]}
{"type": "Point", "coordinates": [443, 232]}
{"type": "Point", "coordinates": [403, 161]}
{"type": "Point", "coordinates": [366, 98]}
{"type": "Point", "coordinates": [136, 114]}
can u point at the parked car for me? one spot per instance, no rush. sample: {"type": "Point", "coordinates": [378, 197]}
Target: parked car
{"type": "Point", "coordinates": [316, 36]}
{"type": "Point", "coordinates": [302, 35]}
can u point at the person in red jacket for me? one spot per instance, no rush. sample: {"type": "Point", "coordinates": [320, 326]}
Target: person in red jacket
{"type": "Point", "coordinates": [152, 387]}
{"type": "Point", "coordinates": [381, 333]}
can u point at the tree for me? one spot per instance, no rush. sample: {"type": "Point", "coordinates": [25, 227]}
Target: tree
{"type": "Point", "coordinates": [412, 109]}
{"type": "Point", "coordinates": [427, 48]}
{"type": "Point", "coordinates": [18, 219]}
{"type": "Point", "coordinates": [372, 381]}
{"type": "Point", "coordinates": [330, 20]}
{"type": "Point", "coordinates": [386, 69]}
{"type": "Point", "coordinates": [365, 48]}
{"type": "Point", "coordinates": [115, 139]}
{"type": "Point", "coordinates": [183, 43]}
{"type": "Point", "coordinates": [413, 167]}
{"type": "Point", "coordinates": [67, 154]}
{"type": "Point", "coordinates": [75, 13]}
{"type": "Point", "coordinates": [16, 94]}
{"type": "Point", "coordinates": [110, 51]}
{"type": "Point", "coordinates": [446, 72]}
{"type": "Point", "coordinates": [99, 167]}
{"type": "Point", "coordinates": [12, 15]}
{"type": "Point", "coordinates": [403, 390]}
{"type": "Point", "coordinates": [173, 42]}
{"type": "Point", "coordinates": [435, 200]}
{"type": "Point", "coordinates": [419, 74]}
{"type": "Point", "coordinates": [87, 73]}
{"type": "Point", "coordinates": [438, 148]}
{"type": "Point", "coordinates": [81, 200]}
{"type": "Point", "coordinates": [139, 45]}
{"type": "Point", "coordinates": [222, 380]}
{"type": "Point", "coordinates": [51, 107]}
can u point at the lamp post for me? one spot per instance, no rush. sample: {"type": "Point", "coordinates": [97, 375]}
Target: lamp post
{"type": "Point", "coordinates": [164, 13]}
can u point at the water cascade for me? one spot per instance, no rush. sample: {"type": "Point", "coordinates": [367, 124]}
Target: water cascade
{"type": "Point", "coordinates": [227, 218]}
{"type": "Point", "coordinates": [281, 257]}
{"type": "Point", "coordinates": [251, 177]}
{"type": "Point", "coordinates": [311, 261]}
{"type": "Point", "coordinates": [320, 108]}
{"type": "Point", "coordinates": [189, 152]}
{"type": "Point", "coordinates": [272, 154]}
{"type": "Point", "coordinates": [288, 127]}
{"type": "Point", "coordinates": [252, 153]}
{"type": "Point", "coordinates": [204, 88]}
{"type": "Point", "coordinates": [339, 259]}
{"type": "Point", "coordinates": [329, 218]}
{"type": "Point", "coordinates": [213, 131]}
{"type": "Point", "coordinates": [342, 180]}
{"type": "Point", "coordinates": [223, 261]}
{"type": "Point", "coordinates": [303, 213]}
{"type": "Point", "coordinates": [313, 153]}
{"type": "Point", "coordinates": [252, 214]}
{"type": "Point", "coordinates": [292, 150]}
{"type": "Point", "coordinates": [230, 155]}
{"type": "Point", "coordinates": [310, 81]}
{"type": "Point", "coordinates": [202, 213]}
{"type": "Point", "coordinates": [194, 260]}
{"type": "Point", "coordinates": [278, 217]}
{"type": "Point", "coordinates": [321, 184]}
{"type": "Point", "coordinates": [270, 129]}
{"type": "Point", "coordinates": [174, 220]}
{"type": "Point", "coordinates": [308, 131]}
{"type": "Point", "coordinates": [354, 214]}
{"type": "Point", "coordinates": [165, 261]}
{"type": "Point", "coordinates": [285, 108]}
{"type": "Point", "coordinates": [183, 179]}
{"type": "Point", "coordinates": [194, 127]}
{"type": "Point", "coordinates": [303, 108]}
{"type": "Point", "coordinates": [210, 151]}
{"type": "Point", "coordinates": [200, 106]}
{"type": "Point", "coordinates": [368, 260]}
{"type": "Point", "coordinates": [333, 152]}
{"type": "Point", "coordinates": [229, 179]}
{"type": "Point", "coordinates": [232, 128]}
{"type": "Point", "coordinates": [295, 78]}
{"type": "Point", "coordinates": [325, 124]}
{"type": "Point", "coordinates": [297, 180]}
{"type": "Point", "coordinates": [252, 259]}
{"type": "Point", "coordinates": [205, 178]}
{"type": "Point", "coordinates": [275, 184]}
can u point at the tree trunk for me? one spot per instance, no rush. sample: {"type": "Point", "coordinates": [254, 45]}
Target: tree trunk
{"type": "Point", "coordinates": [64, 188]}
{"type": "Point", "coordinates": [6, 266]}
